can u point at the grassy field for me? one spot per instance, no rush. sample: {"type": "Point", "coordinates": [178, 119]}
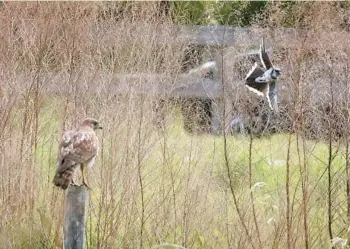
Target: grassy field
{"type": "Point", "coordinates": [186, 188]}
{"type": "Point", "coordinates": [154, 185]}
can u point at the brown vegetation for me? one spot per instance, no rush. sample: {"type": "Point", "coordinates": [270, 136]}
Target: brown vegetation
{"type": "Point", "coordinates": [155, 183]}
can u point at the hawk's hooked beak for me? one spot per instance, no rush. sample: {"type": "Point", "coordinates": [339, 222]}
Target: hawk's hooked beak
{"type": "Point", "coordinates": [99, 127]}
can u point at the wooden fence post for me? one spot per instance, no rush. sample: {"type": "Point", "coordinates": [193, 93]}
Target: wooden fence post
{"type": "Point", "coordinates": [75, 213]}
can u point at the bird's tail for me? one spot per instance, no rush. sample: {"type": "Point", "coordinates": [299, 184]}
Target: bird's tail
{"type": "Point", "coordinates": [62, 179]}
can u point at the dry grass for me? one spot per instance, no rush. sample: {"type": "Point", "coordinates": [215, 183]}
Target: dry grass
{"type": "Point", "coordinates": [154, 184]}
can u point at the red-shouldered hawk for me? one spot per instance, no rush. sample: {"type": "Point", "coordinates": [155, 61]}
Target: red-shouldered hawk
{"type": "Point", "coordinates": [77, 147]}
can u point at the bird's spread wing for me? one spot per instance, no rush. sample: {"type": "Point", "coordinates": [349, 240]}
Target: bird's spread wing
{"type": "Point", "coordinates": [251, 84]}
{"type": "Point", "coordinates": [207, 69]}
{"type": "Point", "coordinates": [77, 147]}
{"type": "Point", "coordinates": [264, 57]}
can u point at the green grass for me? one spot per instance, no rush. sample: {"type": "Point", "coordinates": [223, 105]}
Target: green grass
{"type": "Point", "coordinates": [190, 177]}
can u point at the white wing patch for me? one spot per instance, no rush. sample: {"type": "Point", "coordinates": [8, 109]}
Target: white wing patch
{"type": "Point", "coordinates": [264, 55]}
{"type": "Point", "coordinates": [255, 91]}
{"type": "Point", "coordinates": [262, 46]}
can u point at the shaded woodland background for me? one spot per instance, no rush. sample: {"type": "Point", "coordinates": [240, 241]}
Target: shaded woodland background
{"type": "Point", "coordinates": [155, 184]}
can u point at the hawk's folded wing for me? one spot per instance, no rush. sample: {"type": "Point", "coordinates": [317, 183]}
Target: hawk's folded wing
{"type": "Point", "coordinates": [77, 146]}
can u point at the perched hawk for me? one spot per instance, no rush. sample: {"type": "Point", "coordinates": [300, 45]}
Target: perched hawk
{"type": "Point", "coordinates": [263, 82]}
{"type": "Point", "coordinates": [77, 147]}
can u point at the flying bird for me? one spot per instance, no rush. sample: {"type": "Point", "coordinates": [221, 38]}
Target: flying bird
{"type": "Point", "coordinates": [207, 70]}
{"type": "Point", "coordinates": [77, 147]}
{"type": "Point", "coordinates": [263, 82]}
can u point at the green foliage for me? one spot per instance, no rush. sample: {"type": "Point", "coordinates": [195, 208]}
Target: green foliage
{"type": "Point", "coordinates": [240, 13]}
{"type": "Point", "coordinates": [188, 12]}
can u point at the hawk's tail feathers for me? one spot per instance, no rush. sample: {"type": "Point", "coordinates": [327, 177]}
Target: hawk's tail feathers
{"type": "Point", "coordinates": [63, 179]}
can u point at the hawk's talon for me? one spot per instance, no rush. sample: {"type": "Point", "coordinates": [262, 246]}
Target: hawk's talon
{"type": "Point", "coordinates": [86, 185]}
{"type": "Point", "coordinates": [73, 183]}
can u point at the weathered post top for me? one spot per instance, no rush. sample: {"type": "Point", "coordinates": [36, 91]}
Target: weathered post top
{"type": "Point", "coordinates": [75, 216]}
